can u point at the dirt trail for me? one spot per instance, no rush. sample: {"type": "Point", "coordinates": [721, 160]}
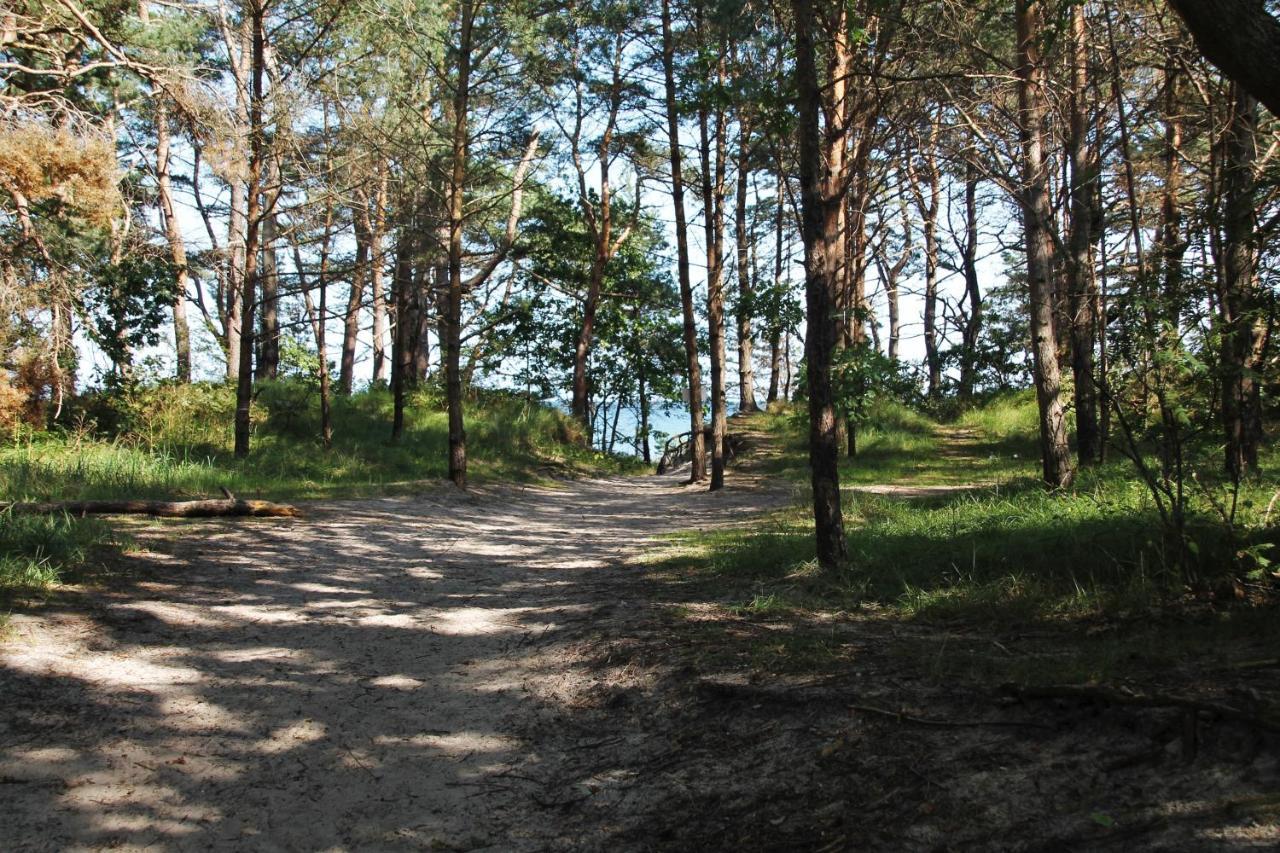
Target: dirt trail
{"type": "Point", "coordinates": [356, 679]}
{"type": "Point", "coordinates": [496, 672]}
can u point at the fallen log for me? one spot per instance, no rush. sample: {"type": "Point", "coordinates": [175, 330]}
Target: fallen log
{"type": "Point", "coordinates": [216, 508]}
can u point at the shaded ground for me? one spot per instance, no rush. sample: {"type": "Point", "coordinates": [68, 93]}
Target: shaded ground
{"type": "Point", "coordinates": [497, 672]}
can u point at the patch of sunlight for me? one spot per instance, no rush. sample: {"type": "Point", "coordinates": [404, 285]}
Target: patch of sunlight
{"type": "Point", "coordinates": [424, 574]}
{"type": "Point", "coordinates": [322, 588]}
{"type": "Point", "coordinates": [187, 713]}
{"type": "Point", "coordinates": [396, 682]}
{"type": "Point", "coordinates": [476, 621]}
{"type": "Point", "coordinates": [46, 755]}
{"type": "Point", "coordinates": [259, 614]}
{"type": "Point", "coordinates": [253, 653]}
{"type": "Point", "coordinates": [389, 620]}
{"type": "Point", "coordinates": [451, 743]}
{"type": "Point", "coordinates": [109, 670]}
{"type": "Point", "coordinates": [180, 615]}
{"type": "Point", "coordinates": [285, 738]}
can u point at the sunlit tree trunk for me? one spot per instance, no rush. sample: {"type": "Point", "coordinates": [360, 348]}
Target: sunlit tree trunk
{"type": "Point", "coordinates": [822, 195]}
{"type": "Point", "coordinates": [1037, 215]}
{"type": "Point", "coordinates": [257, 155]}
{"type": "Point", "coordinates": [177, 246]}
{"type": "Point", "coordinates": [452, 347]}
{"type": "Point", "coordinates": [355, 300]}
{"type": "Point", "coordinates": [1241, 328]}
{"type": "Point", "coordinates": [746, 370]}
{"type": "Point", "coordinates": [973, 294]}
{"type": "Point", "coordinates": [775, 339]}
{"type": "Point", "coordinates": [1086, 170]}
{"type": "Point", "coordinates": [376, 266]}
{"type": "Point", "coordinates": [405, 318]}
{"type": "Point", "coordinates": [926, 185]}
{"type": "Point", "coordinates": [712, 152]}
{"type": "Point", "coordinates": [268, 365]}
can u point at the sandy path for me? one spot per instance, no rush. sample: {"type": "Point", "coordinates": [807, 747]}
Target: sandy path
{"type": "Point", "coordinates": [357, 679]}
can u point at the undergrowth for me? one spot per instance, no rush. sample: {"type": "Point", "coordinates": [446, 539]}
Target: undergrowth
{"type": "Point", "coordinates": [39, 551]}
{"type": "Point", "coordinates": [176, 442]}
{"type": "Point", "coordinates": [985, 544]}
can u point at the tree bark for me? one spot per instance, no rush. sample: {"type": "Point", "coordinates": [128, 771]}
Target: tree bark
{"type": "Point", "coordinates": [746, 295]}
{"type": "Point", "coordinates": [257, 153]}
{"type": "Point", "coordinates": [355, 299]}
{"type": "Point", "coordinates": [891, 274]}
{"type": "Point", "coordinates": [1037, 214]}
{"type": "Point", "coordinates": [775, 338]}
{"type": "Point", "coordinates": [453, 308]}
{"type": "Point", "coordinates": [269, 335]}
{"type": "Point", "coordinates": [713, 169]}
{"type": "Point", "coordinates": [1240, 328]}
{"type": "Point", "coordinates": [1086, 170]}
{"type": "Point", "coordinates": [177, 246]}
{"type": "Point", "coordinates": [822, 195]}
{"type": "Point", "coordinates": [405, 319]}
{"type": "Point", "coordinates": [693, 368]}
{"type": "Point", "coordinates": [927, 188]}
{"type": "Point", "coordinates": [1240, 37]}
{"type": "Point", "coordinates": [969, 268]}
{"type": "Point", "coordinates": [322, 324]}
{"type": "Point", "coordinates": [376, 265]}
{"type": "Point", "coordinates": [232, 305]}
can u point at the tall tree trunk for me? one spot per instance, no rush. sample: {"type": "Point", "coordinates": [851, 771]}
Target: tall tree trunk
{"type": "Point", "coordinates": [405, 319]}
{"type": "Point", "coordinates": [1240, 327]}
{"type": "Point", "coordinates": [177, 246]}
{"type": "Point", "coordinates": [822, 195]}
{"type": "Point", "coordinates": [1172, 244]}
{"type": "Point", "coordinates": [453, 310]}
{"type": "Point", "coordinates": [891, 274]}
{"type": "Point", "coordinates": [233, 304]}
{"type": "Point", "coordinates": [713, 176]}
{"type": "Point", "coordinates": [322, 351]}
{"type": "Point", "coordinates": [268, 365]}
{"type": "Point", "coordinates": [777, 331]}
{"type": "Point", "coordinates": [1037, 215]}
{"type": "Point", "coordinates": [693, 368]}
{"type": "Point", "coordinates": [355, 298]}
{"type": "Point", "coordinates": [928, 192]}
{"type": "Point", "coordinates": [376, 265]}
{"type": "Point", "coordinates": [253, 219]}
{"type": "Point", "coordinates": [746, 295]}
{"type": "Point", "coordinates": [969, 268]}
{"type": "Point", "coordinates": [643, 438]}
{"type": "Point", "coordinates": [1086, 171]}
{"type": "Point", "coordinates": [421, 335]}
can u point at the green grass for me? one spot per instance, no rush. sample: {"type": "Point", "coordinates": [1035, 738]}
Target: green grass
{"type": "Point", "coordinates": [1001, 554]}
{"type": "Point", "coordinates": [901, 445]}
{"type": "Point", "coordinates": [176, 442]}
{"type": "Point", "coordinates": [38, 552]}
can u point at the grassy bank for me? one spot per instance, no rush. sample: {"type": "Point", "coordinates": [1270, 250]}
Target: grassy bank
{"type": "Point", "coordinates": [958, 531]}
{"type": "Point", "coordinates": [176, 442]}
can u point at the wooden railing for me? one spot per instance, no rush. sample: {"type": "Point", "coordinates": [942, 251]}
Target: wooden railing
{"type": "Point", "coordinates": [679, 448]}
